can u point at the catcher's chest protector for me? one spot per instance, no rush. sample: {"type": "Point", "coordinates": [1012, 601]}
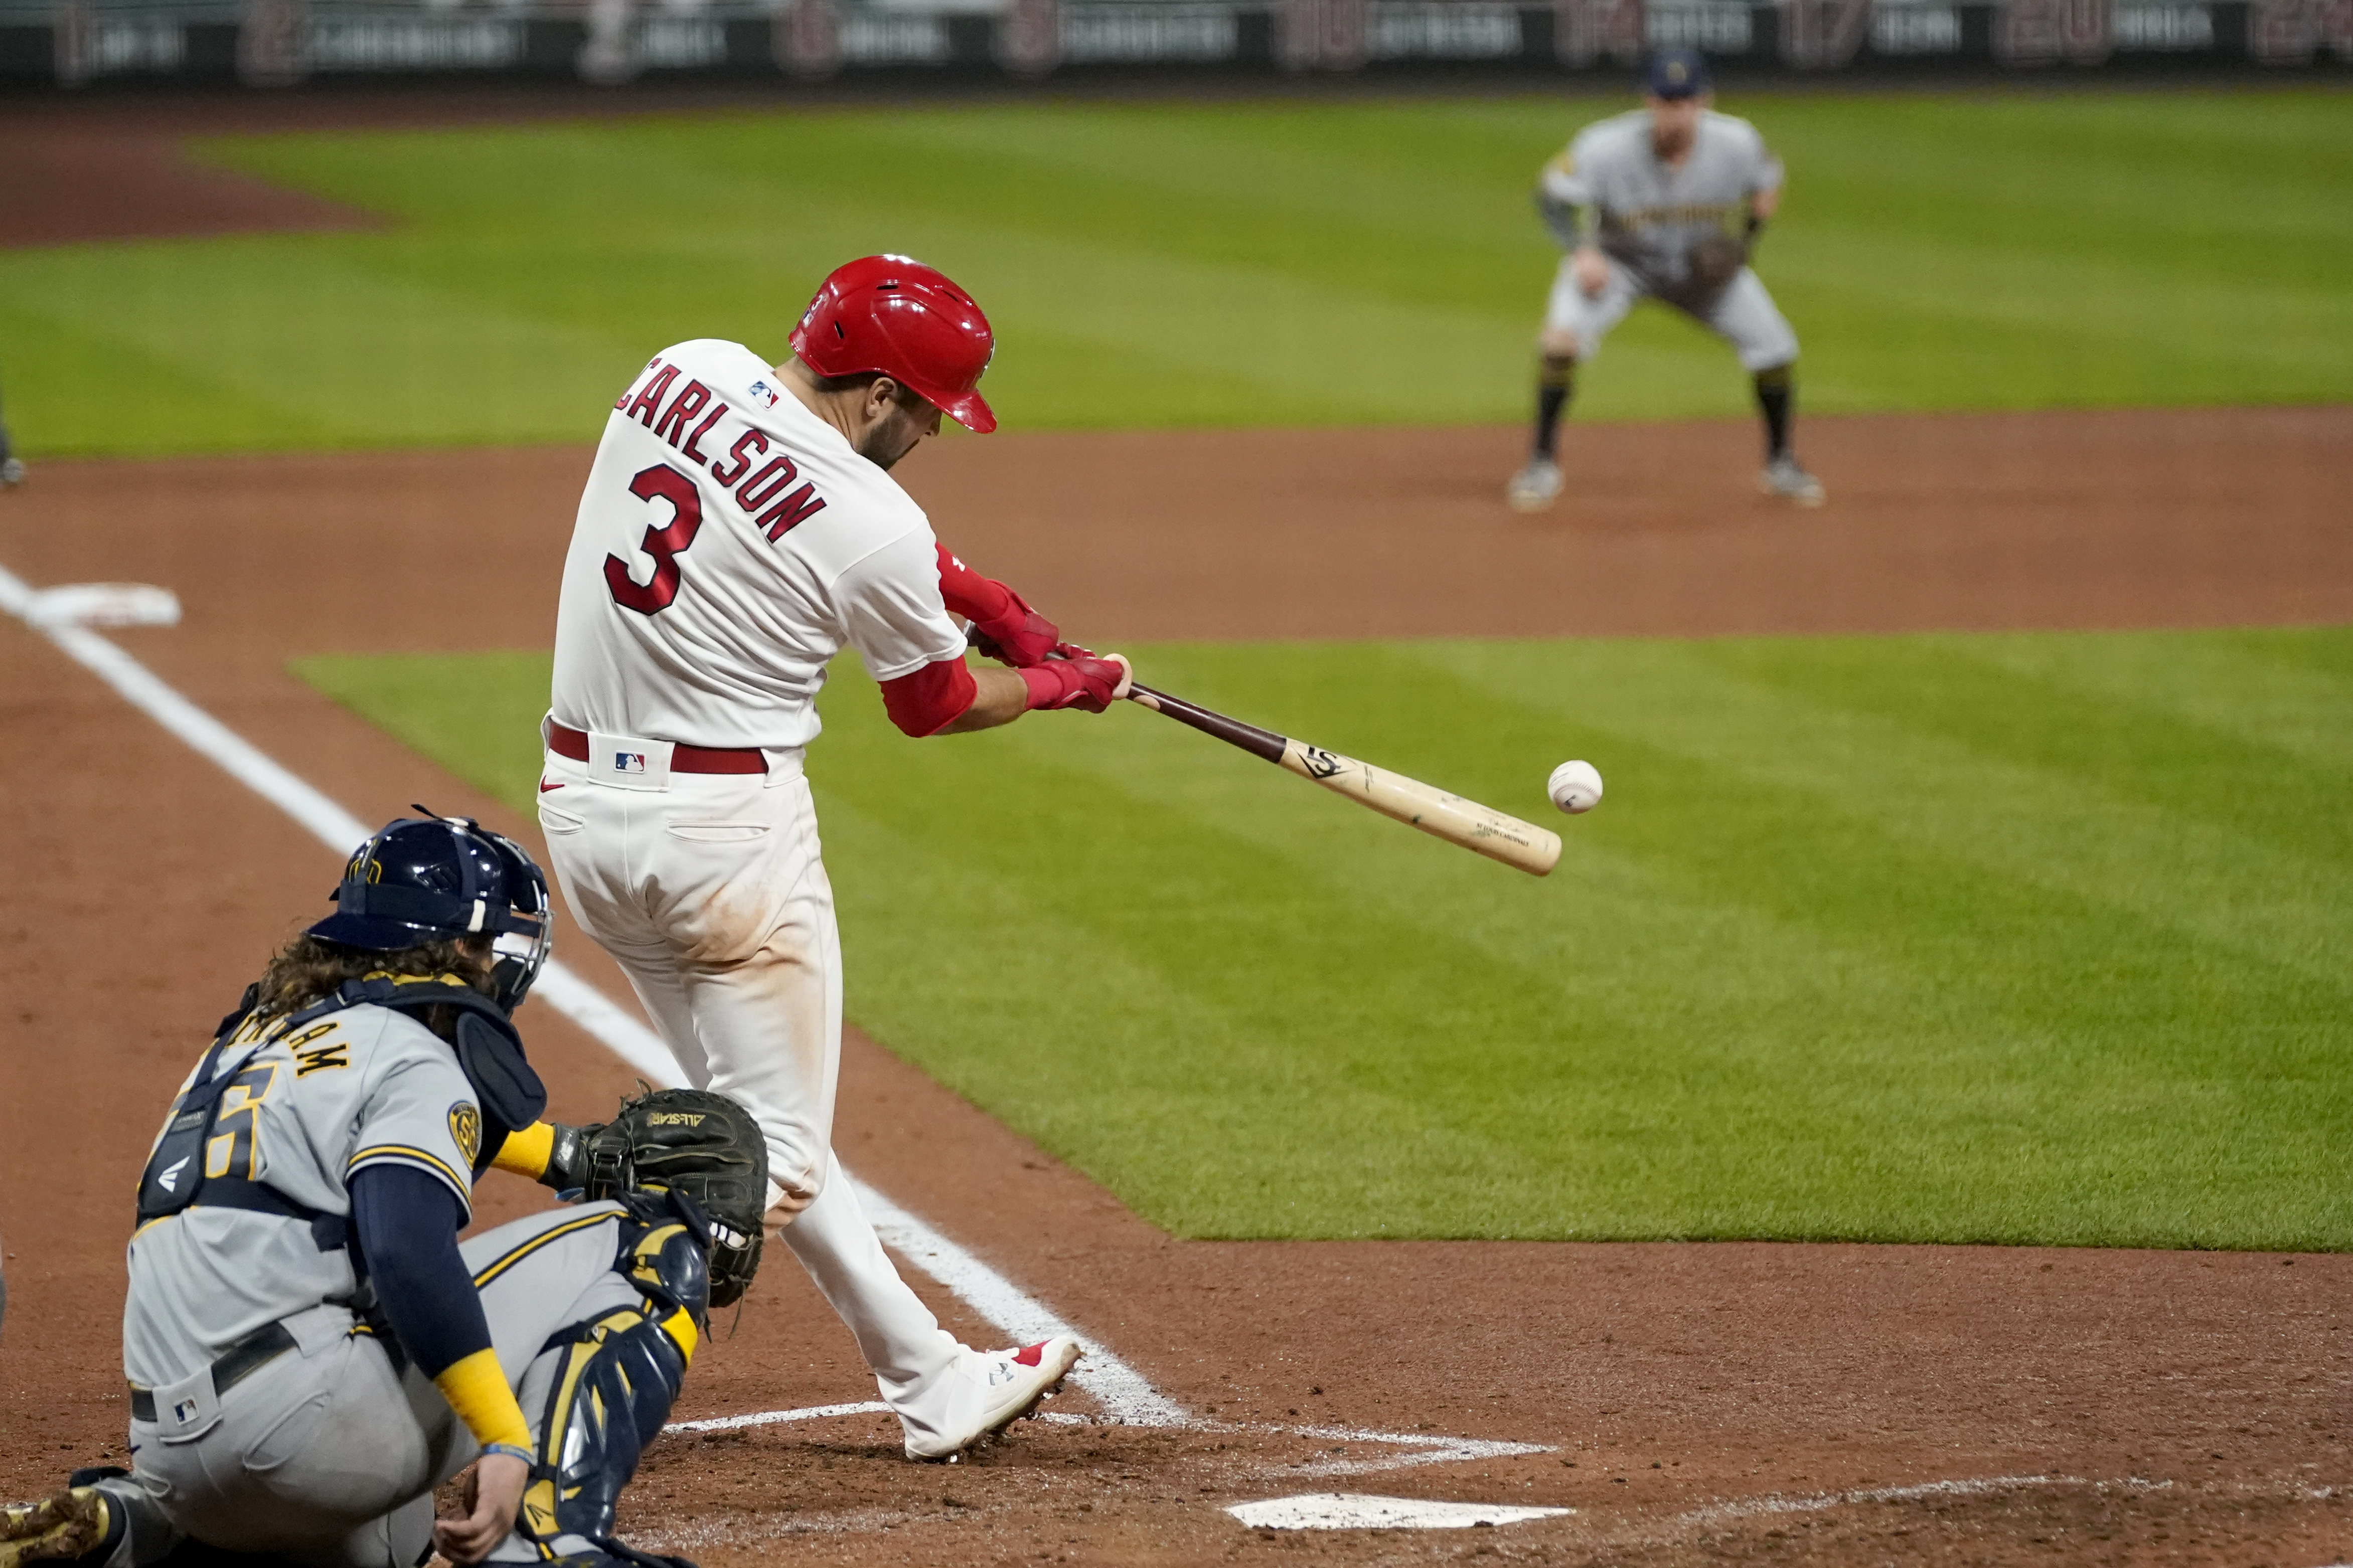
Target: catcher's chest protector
{"type": "Point", "coordinates": [198, 1158]}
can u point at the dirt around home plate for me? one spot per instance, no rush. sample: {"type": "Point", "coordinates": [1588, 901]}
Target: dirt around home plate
{"type": "Point", "coordinates": [1744, 1403]}
{"type": "Point", "coordinates": [1741, 1403]}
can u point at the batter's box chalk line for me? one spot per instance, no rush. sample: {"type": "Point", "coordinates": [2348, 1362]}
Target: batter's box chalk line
{"type": "Point", "coordinates": [67, 615]}
{"type": "Point", "coordinates": [1419, 1447]}
{"type": "Point", "coordinates": [1341, 1510]}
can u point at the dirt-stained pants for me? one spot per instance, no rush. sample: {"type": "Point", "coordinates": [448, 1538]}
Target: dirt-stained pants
{"type": "Point", "coordinates": [710, 891]}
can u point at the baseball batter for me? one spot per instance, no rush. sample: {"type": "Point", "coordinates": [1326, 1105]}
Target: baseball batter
{"type": "Point", "coordinates": [1645, 205]}
{"type": "Point", "coordinates": [739, 527]}
{"type": "Point", "coordinates": [310, 1348]}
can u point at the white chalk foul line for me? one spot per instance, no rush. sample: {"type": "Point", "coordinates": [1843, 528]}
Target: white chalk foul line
{"type": "Point", "coordinates": [776, 1417]}
{"type": "Point", "coordinates": [1817, 1503]}
{"type": "Point", "coordinates": [1421, 1448]}
{"type": "Point", "coordinates": [1122, 1392]}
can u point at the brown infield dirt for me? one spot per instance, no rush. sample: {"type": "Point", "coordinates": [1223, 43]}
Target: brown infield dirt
{"type": "Point", "coordinates": [1748, 1402]}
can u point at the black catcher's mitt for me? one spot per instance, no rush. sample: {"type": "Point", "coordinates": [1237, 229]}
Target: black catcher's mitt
{"type": "Point", "coordinates": [703, 1144]}
{"type": "Point", "coordinates": [1715, 261]}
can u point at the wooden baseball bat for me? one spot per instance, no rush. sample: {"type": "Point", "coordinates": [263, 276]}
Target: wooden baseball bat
{"type": "Point", "coordinates": [1449, 816]}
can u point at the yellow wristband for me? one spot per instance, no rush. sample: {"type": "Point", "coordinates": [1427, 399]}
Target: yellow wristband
{"type": "Point", "coordinates": [477, 1390]}
{"type": "Point", "coordinates": [526, 1153]}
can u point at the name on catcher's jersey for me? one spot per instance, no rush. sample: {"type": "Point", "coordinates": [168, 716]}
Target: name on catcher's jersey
{"type": "Point", "coordinates": [304, 1113]}
{"type": "Point", "coordinates": [729, 543]}
{"type": "Point", "coordinates": [1650, 212]}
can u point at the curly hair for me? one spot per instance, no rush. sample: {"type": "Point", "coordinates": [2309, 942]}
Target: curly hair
{"type": "Point", "coordinates": [307, 970]}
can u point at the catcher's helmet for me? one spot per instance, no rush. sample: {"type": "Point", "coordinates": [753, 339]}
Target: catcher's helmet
{"type": "Point", "coordinates": [435, 877]}
{"type": "Point", "coordinates": [895, 315]}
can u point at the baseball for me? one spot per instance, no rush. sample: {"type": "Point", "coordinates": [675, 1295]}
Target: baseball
{"type": "Point", "coordinates": [1574, 787]}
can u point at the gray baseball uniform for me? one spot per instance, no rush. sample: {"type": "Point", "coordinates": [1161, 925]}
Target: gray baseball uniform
{"type": "Point", "coordinates": [1647, 214]}
{"type": "Point", "coordinates": [327, 1451]}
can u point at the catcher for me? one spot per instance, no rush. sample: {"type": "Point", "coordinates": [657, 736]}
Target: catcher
{"type": "Point", "coordinates": [1643, 202]}
{"type": "Point", "coordinates": [310, 1350]}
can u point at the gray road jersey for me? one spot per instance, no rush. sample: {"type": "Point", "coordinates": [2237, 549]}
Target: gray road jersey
{"type": "Point", "coordinates": [305, 1110]}
{"type": "Point", "coordinates": [1648, 214]}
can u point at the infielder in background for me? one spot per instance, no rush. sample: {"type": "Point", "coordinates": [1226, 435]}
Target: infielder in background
{"type": "Point", "coordinates": [739, 527]}
{"type": "Point", "coordinates": [12, 467]}
{"type": "Point", "coordinates": [311, 1351]}
{"type": "Point", "coordinates": [1645, 202]}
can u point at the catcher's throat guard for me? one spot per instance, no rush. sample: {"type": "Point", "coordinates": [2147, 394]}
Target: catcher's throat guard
{"type": "Point", "coordinates": [703, 1146]}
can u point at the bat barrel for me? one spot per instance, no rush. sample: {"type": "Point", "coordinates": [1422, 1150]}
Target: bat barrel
{"type": "Point", "coordinates": [1479, 828]}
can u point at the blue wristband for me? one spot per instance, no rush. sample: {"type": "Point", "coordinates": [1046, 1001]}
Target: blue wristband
{"type": "Point", "coordinates": [525, 1455]}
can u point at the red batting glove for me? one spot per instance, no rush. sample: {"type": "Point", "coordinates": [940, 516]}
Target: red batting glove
{"type": "Point", "coordinates": [1021, 636]}
{"type": "Point", "coordinates": [1088, 683]}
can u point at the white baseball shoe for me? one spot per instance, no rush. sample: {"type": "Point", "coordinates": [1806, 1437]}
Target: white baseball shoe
{"type": "Point", "coordinates": [990, 1389]}
{"type": "Point", "coordinates": [12, 472]}
{"type": "Point", "coordinates": [1783, 478]}
{"type": "Point", "coordinates": [1534, 487]}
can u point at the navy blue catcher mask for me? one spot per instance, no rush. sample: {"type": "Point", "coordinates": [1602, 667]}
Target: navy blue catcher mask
{"type": "Point", "coordinates": [440, 879]}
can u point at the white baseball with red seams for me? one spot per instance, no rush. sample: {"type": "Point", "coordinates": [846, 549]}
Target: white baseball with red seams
{"type": "Point", "coordinates": [730, 543]}
{"type": "Point", "coordinates": [1574, 787]}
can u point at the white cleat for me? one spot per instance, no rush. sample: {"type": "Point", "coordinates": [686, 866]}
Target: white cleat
{"type": "Point", "coordinates": [12, 473]}
{"type": "Point", "coordinates": [992, 1389]}
{"type": "Point", "coordinates": [1783, 478]}
{"type": "Point", "coordinates": [1535, 487]}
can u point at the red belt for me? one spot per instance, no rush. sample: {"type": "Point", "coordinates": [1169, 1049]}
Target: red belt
{"type": "Point", "coordinates": [566, 741]}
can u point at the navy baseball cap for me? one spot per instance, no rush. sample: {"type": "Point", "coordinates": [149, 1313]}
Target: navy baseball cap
{"type": "Point", "coordinates": [1676, 73]}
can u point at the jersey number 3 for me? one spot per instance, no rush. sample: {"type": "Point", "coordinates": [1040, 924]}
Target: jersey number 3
{"type": "Point", "coordinates": [660, 482]}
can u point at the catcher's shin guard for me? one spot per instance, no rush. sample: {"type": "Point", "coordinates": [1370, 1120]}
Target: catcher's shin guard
{"type": "Point", "coordinates": [620, 1374]}
{"type": "Point", "coordinates": [611, 1395]}
{"type": "Point", "coordinates": [665, 1252]}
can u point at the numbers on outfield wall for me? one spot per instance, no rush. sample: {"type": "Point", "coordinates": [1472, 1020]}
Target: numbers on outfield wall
{"type": "Point", "coordinates": [1818, 32]}
{"type": "Point", "coordinates": [2293, 31]}
{"type": "Point", "coordinates": [660, 482]}
{"type": "Point", "coordinates": [2031, 32]}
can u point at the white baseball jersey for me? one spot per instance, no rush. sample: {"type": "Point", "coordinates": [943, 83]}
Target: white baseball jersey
{"type": "Point", "coordinates": [1650, 212]}
{"type": "Point", "coordinates": [362, 1086]}
{"type": "Point", "coordinates": [729, 543]}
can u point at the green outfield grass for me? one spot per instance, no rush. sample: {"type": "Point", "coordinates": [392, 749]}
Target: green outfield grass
{"type": "Point", "coordinates": [2032, 937]}
{"type": "Point", "coordinates": [1258, 263]}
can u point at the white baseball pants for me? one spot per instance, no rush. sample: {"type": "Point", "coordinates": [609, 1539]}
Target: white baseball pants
{"type": "Point", "coordinates": [710, 891]}
{"type": "Point", "coordinates": [1742, 313]}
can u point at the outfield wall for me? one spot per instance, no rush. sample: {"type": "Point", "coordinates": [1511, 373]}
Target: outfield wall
{"type": "Point", "coordinates": [272, 43]}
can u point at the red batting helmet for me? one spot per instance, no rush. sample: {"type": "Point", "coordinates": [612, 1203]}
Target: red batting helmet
{"type": "Point", "coordinates": [907, 321]}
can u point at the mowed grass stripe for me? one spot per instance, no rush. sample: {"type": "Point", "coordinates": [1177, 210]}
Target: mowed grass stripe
{"type": "Point", "coordinates": [1176, 264]}
{"type": "Point", "coordinates": [1881, 939]}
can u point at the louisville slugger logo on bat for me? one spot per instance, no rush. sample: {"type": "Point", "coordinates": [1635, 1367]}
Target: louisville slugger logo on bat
{"type": "Point", "coordinates": [1482, 829]}
{"type": "Point", "coordinates": [1321, 764]}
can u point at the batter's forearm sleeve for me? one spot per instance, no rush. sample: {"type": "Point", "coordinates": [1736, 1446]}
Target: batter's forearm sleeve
{"type": "Point", "coordinates": [968, 594]}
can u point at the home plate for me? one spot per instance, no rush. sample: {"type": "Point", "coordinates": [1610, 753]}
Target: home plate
{"type": "Point", "coordinates": [1339, 1511]}
{"type": "Point", "coordinates": [104, 604]}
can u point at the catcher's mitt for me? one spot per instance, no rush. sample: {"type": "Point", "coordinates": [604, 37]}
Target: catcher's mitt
{"type": "Point", "coordinates": [701, 1144]}
{"type": "Point", "coordinates": [1716, 260]}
